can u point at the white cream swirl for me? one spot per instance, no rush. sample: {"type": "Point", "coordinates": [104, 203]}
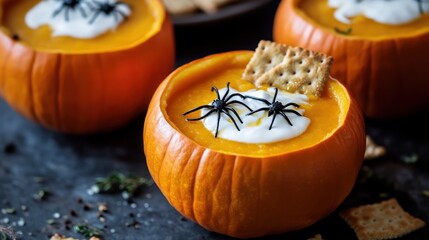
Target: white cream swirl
{"type": "Point", "coordinates": [255, 127]}
{"type": "Point", "coordinates": [84, 21]}
{"type": "Point", "coordinates": [389, 12]}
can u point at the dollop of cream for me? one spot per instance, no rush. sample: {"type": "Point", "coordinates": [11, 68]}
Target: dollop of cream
{"type": "Point", "coordinates": [393, 12]}
{"type": "Point", "coordinates": [255, 127]}
{"type": "Point", "coordinates": [79, 22]}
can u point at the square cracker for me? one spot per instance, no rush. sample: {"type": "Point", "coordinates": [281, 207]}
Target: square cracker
{"type": "Point", "coordinates": [385, 220]}
{"type": "Point", "coordinates": [211, 6]}
{"type": "Point", "coordinates": [267, 56]}
{"type": "Point", "coordinates": [302, 71]}
{"type": "Point", "coordinates": [180, 6]}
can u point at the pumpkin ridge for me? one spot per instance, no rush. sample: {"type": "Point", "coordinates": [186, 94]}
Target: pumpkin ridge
{"type": "Point", "coordinates": [5, 61]}
{"type": "Point", "coordinates": [30, 88]}
{"type": "Point", "coordinates": [161, 164]}
{"type": "Point", "coordinates": [194, 183]}
{"type": "Point", "coordinates": [59, 87]}
{"type": "Point", "coordinates": [56, 93]}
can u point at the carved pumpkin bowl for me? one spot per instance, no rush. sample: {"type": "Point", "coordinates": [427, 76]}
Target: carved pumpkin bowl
{"type": "Point", "coordinates": [250, 190]}
{"type": "Point", "coordinates": [84, 85]}
{"type": "Point", "coordinates": [384, 66]}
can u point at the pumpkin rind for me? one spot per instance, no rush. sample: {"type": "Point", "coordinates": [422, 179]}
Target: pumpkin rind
{"type": "Point", "coordinates": [245, 196]}
{"type": "Point", "coordinates": [84, 92]}
{"type": "Point", "coordinates": [387, 76]}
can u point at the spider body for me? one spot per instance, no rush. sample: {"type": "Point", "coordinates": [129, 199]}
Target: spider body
{"type": "Point", "coordinates": [68, 5]}
{"type": "Point", "coordinates": [221, 105]}
{"type": "Point", "coordinates": [108, 9]}
{"type": "Point", "coordinates": [275, 108]}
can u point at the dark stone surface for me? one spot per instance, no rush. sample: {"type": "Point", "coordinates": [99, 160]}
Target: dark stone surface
{"type": "Point", "coordinates": [34, 159]}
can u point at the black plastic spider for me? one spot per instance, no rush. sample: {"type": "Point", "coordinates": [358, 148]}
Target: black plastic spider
{"type": "Point", "coordinates": [220, 105]}
{"type": "Point", "coordinates": [420, 3]}
{"type": "Point", "coordinates": [68, 5]}
{"type": "Point", "coordinates": [274, 108]}
{"type": "Point", "coordinates": [108, 8]}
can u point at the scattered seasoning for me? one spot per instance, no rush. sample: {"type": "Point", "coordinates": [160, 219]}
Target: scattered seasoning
{"type": "Point", "coordinates": [57, 236]}
{"type": "Point", "coordinates": [73, 213]}
{"type": "Point", "coordinates": [24, 208]}
{"type": "Point", "coordinates": [95, 238]}
{"type": "Point", "coordinates": [102, 207]}
{"type": "Point", "coordinates": [20, 222]}
{"type": "Point", "coordinates": [9, 148]}
{"type": "Point", "coordinates": [51, 222]}
{"type": "Point", "coordinates": [425, 193]}
{"type": "Point", "coordinates": [410, 159]}
{"type": "Point", "coordinates": [348, 31]}
{"type": "Point", "coordinates": [87, 207]}
{"type": "Point", "coordinates": [79, 200]}
{"type": "Point", "coordinates": [220, 106]}
{"type": "Point", "coordinates": [8, 210]}
{"type": "Point", "coordinates": [183, 219]}
{"type": "Point", "coordinates": [117, 182]}
{"type": "Point", "coordinates": [6, 234]}
{"type": "Point", "coordinates": [87, 231]}
{"type": "Point", "coordinates": [134, 223]}
{"type": "Point", "coordinates": [56, 215]}
{"type": "Point", "coordinates": [41, 195]}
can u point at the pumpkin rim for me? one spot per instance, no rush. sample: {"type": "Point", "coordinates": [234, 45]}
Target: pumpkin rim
{"type": "Point", "coordinates": [344, 108]}
{"type": "Point", "coordinates": [157, 9]}
{"type": "Point", "coordinates": [304, 16]}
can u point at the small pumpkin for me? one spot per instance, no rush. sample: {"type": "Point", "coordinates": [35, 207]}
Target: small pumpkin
{"type": "Point", "coordinates": [386, 72]}
{"type": "Point", "coordinates": [84, 86]}
{"type": "Point", "coordinates": [248, 190]}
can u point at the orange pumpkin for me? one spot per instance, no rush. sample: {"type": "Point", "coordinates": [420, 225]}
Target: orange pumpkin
{"type": "Point", "coordinates": [383, 66]}
{"type": "Point", "coordinates": [248, 190]}
{"type": "Point", "coordinates": [84, 86]}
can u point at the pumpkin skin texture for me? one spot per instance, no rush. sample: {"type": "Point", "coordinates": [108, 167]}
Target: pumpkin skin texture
{"type": "Point", "coordinates": [83, 93]}
{"type": "Point", "coordinates": [387, 75]}
{"type": "Point", "coordinates": [245, 196]}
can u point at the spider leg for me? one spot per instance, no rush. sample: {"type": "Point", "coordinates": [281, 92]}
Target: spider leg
{"type": "Point", "coordinates": [218, 121]}
{"type": "Point", "coordinates": [115, 16]}
{"type": "Point", "coordinates": [258, 110]}
{"type": "Point", "coordinates": [292, 111]}
{"type": "Point", "coordinates": [286, 118]}
{"type": "Point", "coordinates": [94, 17]}
{"type": "Point", "coordinates": [275, 95]}
{"type": "Point", "coordinates": [227, 92]}
{"type": "Point", "coordinates": [82, 11]}
{"type": "Point", "coordinates": [235, 113]}
{"type": "Point", "coordinates": [67, 14]}
{"type": "Point", "coordinates": [272, 122]}
{"type": "Point", "coordinates": [198, 108]}
{"type": "Point", "coordinates": [291, 104]}
{"type": "Point", "coordinates": [217, 92]}
{"type": "Point", "coordinates": [58, 11]}
{"type": "Point", "coordinates": [232, 119]}
{"type": "Point", "coordinates": [238, 102]}
{"type": "Point", "coordinates": [202, 117]}
{"type": "Point", "coordinates": [233, 95]}
{"type": "Point", "coordinates": [258, 99]}
{"type": "Point", "coordinates": [122, 14]}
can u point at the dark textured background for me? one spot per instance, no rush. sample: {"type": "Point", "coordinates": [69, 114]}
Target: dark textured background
{"type": "Point", "coordinates": [69, 164]}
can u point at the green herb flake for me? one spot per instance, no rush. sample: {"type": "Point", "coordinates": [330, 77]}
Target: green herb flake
{"type": "Point", "coordinates": [410, 159]}
{"type": "Point", "coordinates": [41, 195]}
{"type": "Point", "coordinates": [8, 210]}
{"type": "Point", "coordinates": [118, 182]}
{"type": "Point", "coordinates": [425, 193]}
{"type": "Point", "coordinates": [384, 195]}
{"type": "Point", "coordinates": [348, 31]}
{"type": "Point", "coordinates": [6, 234]}
{"type": "Point", "coordinates": [87, 231]}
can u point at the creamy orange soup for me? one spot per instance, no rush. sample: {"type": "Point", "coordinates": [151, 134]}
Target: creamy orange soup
{"type": "Point", "coordinates": [322, 14]}
{"type": "Point", "coordinates": [131, 31]}
{"type": "Point", "coordinates": [180, 97]}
